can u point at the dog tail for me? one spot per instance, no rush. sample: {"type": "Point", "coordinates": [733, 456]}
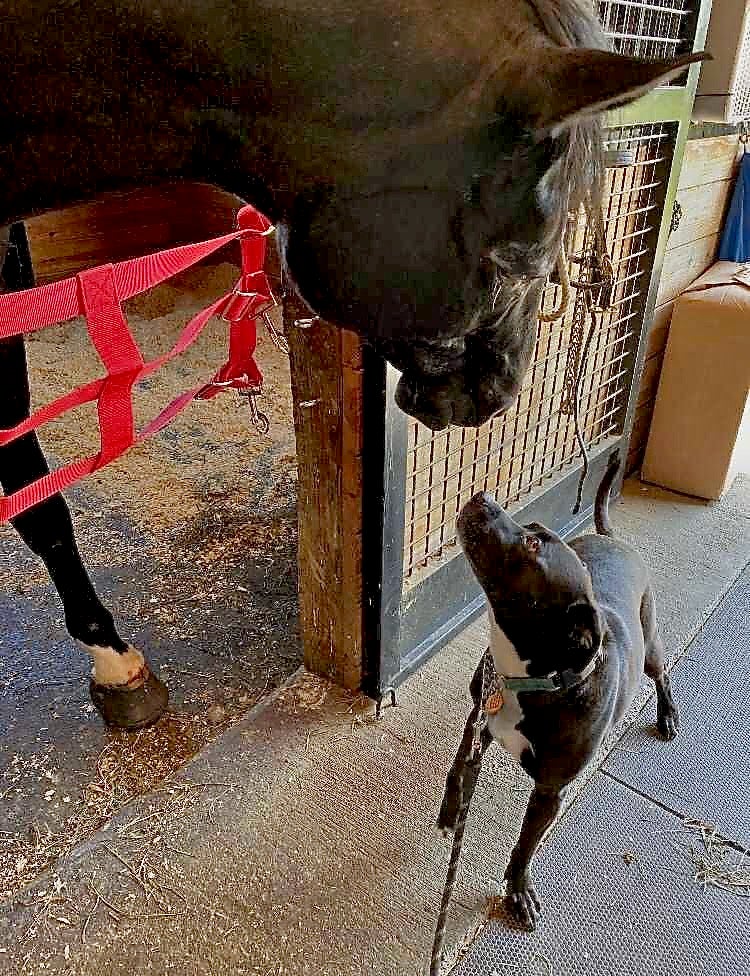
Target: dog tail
{"type": "Point", "coordinates": [601, 508]}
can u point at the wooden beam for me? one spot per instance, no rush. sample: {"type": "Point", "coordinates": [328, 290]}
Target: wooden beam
{"type": "Point", "coordinates": [703, 210]}
{"type": "Point", "coordinates": [327, 384]}
{"type": "Point", "coordinates": [682, 265]}
{"type": "Point", "coordinates": [707, 160]}
{"type": "Point", "coordinates": [122, 225]}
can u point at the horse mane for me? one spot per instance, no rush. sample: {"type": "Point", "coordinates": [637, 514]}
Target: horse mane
{"type": "Point", "coordinates": [580, 172]}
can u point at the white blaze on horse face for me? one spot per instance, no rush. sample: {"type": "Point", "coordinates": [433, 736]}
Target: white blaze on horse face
{"type": "Point", "coordinates": [113, 668]}
{"type": "Point", "coordinates": [504, 724]}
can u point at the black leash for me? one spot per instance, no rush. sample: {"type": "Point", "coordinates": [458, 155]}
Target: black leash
{"type": "Point", "coordinates": [450, 882]}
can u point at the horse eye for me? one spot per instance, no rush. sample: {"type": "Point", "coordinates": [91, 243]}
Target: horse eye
{"type": "Point", "coordinates": [532, 543]}
{"type": "Point", "coordinates": [486, 264]}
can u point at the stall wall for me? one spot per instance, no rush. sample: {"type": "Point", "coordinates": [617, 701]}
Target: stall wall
{"type": "Point", "coordinates": [706, 182]}
{"type": "Point", "coordinates": [124, 225]}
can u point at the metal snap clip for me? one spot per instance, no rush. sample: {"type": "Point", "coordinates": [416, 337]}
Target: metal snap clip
{"type": "Point", "coordinates": [259, 420]}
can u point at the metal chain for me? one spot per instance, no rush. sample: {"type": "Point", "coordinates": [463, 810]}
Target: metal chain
{"type": "Point", "coordinates": [595, 288]}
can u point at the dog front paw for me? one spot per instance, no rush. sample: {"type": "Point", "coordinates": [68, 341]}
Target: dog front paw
{"type": "Point", "coordinates": [523, 901]}
{"type": "Point", "coordinates": [668, 724]}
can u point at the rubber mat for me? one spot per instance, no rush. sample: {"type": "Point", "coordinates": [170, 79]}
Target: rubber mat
{"type": "Point", "coordinates": [705, 772]}
{"type": "Point", "coordinates": [619, 898]}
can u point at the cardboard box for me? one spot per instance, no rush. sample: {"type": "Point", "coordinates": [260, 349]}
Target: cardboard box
{"type": "Point", "coordinates": [700, 432]}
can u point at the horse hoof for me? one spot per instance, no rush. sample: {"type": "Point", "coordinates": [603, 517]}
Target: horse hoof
{"type": "Point", "coordinates": [131, 708]}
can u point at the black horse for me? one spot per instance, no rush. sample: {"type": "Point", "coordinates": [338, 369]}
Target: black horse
{"type": "Point", "coordinates": [419, 161]}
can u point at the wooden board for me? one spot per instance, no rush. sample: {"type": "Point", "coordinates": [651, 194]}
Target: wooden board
{"type": "Point", "coordinates": [327, 384]}
{"type": "Point", "coordinates": [708, 160]}
{"type": "Point", "coordinates": [705, 187]}
{"type": "Point", "coordinates": [682, 265]}
{"type": "Point", "coordinates": [703, 210]}
{"type": "Point", "coordinates": [122, 225]}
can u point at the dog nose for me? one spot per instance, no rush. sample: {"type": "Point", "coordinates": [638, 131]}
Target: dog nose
{"type": "Point", "coordinates": [480, 508]}
{"type": "Point", "coordinates": [483, 499]}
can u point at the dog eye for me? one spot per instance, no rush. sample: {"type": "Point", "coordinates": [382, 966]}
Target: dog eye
{"type": "Point", "coordinates": [532, 543]}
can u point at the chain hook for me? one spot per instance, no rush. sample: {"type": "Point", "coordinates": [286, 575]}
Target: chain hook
{"type": "Point", "coordinates": [276, 337]}
{"type": "Point", "coordinates": [259, 419]}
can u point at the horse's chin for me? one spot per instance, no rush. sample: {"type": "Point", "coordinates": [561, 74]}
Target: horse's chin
{"type": "Point", "coordinates": [454, 400]}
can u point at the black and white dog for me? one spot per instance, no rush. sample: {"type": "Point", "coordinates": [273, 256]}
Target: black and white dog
{"type": "Point", "coordinates": [572, 628]}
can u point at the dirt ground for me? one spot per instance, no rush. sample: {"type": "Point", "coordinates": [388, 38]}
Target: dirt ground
{"type": "Point", "coordinates": [191, 541]}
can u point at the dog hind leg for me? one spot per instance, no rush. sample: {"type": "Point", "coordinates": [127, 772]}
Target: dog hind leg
{"type": "Point", "coordinates": [667, 715]}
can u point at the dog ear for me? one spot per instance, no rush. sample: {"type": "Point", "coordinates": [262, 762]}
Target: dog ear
{"type": "Point", "coordinates": [584, 623]}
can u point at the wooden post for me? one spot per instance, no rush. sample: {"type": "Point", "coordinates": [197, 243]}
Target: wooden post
{"type": "Point", "coordinates": [327, 384]}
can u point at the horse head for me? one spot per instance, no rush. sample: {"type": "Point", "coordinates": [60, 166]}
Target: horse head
{"type": "Point", "coordinates": [437, 250]}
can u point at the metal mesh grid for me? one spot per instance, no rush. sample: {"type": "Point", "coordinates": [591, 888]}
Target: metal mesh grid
{"type": "Point", "coordinates": [739, 108]}
{"type": "Point", "coordinates": [515, 455]}
{"type": "Point", "coordinates": [649, 28]}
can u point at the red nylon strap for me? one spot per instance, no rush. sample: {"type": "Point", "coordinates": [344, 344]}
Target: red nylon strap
{"type": "Point", "coordinates": [252, 296]}
{"type": "Point", "coordinates": [27, 311]}
{"type": "Point", "coordinates": [98, 294]}
{"type": "Point", "coordinates": [121, 356]}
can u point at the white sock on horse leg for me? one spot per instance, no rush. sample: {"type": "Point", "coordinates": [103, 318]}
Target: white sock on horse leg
{"type": "Point", "coordinates": [114, 668]}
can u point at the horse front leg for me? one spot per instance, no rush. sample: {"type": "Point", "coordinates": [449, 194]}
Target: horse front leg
{"type": "Point", "coordinates": [122, 686]}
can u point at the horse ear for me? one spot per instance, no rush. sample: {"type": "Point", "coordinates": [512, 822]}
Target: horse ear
{"type": "Point", "coordinates": [576, 83]}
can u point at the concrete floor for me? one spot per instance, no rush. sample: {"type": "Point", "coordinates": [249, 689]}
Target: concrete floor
{"type": "Point", "coordinates": [302, 841]}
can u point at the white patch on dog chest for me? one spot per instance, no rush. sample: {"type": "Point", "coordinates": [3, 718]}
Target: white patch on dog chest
{"type": "Point", "coordinates": [503, 726]}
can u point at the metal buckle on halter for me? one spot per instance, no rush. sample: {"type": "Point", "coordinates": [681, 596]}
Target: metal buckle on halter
{"type": "Point", "coordinates": [306, 323]}
{"type": "Point", "coordinates": [245, 303]}
{"type": "Point", "coordinates": [240, 305]}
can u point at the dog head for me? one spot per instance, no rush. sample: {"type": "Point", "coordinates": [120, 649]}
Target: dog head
{"type": "Point", "coordinates": [539, 590]}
